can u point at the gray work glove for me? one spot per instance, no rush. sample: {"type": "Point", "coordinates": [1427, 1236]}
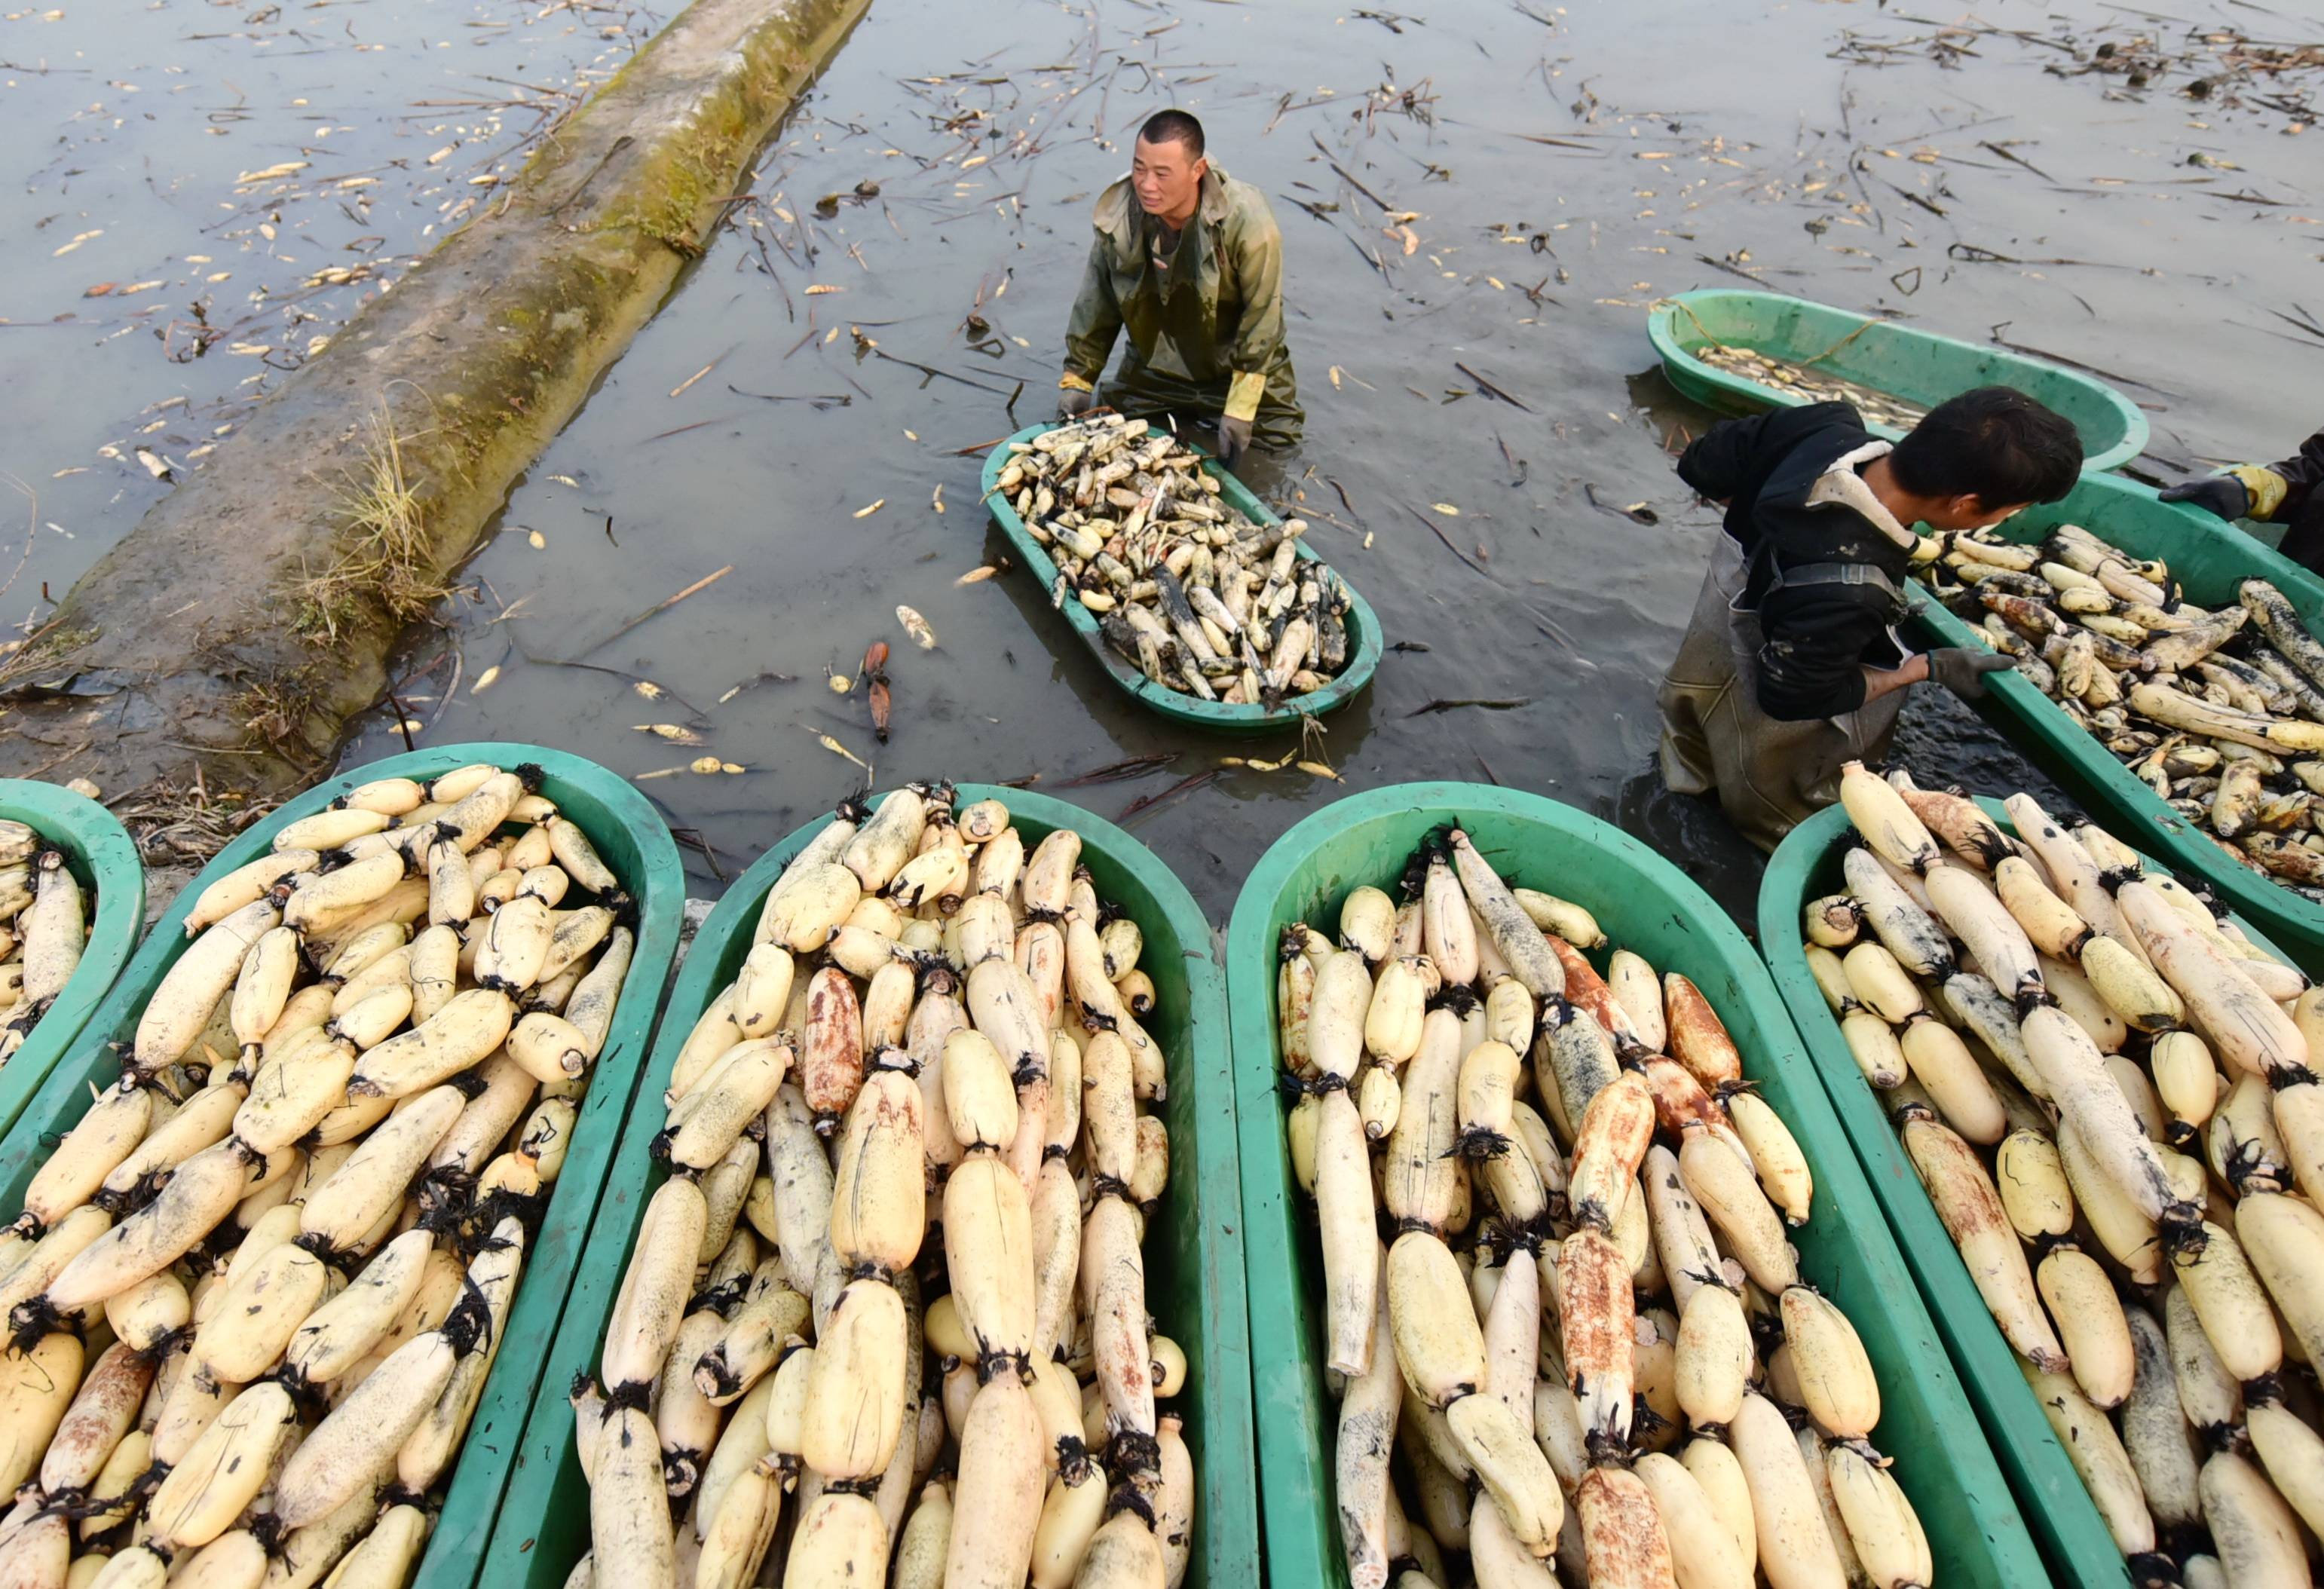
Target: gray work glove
{"type": "Point", "coordinates": [1073, 402]}
{"type": "Point", "coordinates": [1234, 440]}
{"type": "Point", "coordinates": [2223, 494]}
{"type": "Point", "coordinates": [1962, 669]}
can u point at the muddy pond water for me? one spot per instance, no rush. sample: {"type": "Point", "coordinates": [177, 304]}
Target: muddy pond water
{"type": "Point", "coordinates": [1479, 200]}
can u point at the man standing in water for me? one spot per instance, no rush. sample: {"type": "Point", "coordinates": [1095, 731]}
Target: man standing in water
{"type": "Point", "coordinates": [1792, 666]}
{"type": "Point", "coordinates": [1190, 262]}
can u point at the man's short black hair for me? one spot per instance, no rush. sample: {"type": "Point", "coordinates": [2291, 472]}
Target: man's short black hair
{"type": "Point", "coordinates": [1995, 443]}
{"type": "Point", "coordinates": [1166, 126]}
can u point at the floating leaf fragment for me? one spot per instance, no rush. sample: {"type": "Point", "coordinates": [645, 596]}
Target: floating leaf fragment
{"type": "Point", "coordinates": [763, 678]}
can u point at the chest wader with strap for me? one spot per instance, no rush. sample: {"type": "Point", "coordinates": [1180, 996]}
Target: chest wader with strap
{"type": "Point", "coordinates": [1769, 775]}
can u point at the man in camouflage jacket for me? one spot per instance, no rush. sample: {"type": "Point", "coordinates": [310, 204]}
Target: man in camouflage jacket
{"type": "Point", "coordinates": [1190, 262]}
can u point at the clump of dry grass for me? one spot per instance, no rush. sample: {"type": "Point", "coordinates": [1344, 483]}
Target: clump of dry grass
{"type": "Point", "coordinates": [386, 553]}
{"type": "Point", "coordinates": [278, 708]}
{"type": "Point", "coordinates": [185, 824]}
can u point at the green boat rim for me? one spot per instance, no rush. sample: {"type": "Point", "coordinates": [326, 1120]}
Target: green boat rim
{"type": "Point", "coordinates": [1364, 642]}
{"type": "Point", "coordinates": [1943, 1458]}
{"type": "Point", "coordinates": [102, 858]}
{"type": "Point", "coordinates": [540, 1524]}
{"type": "Point", "coordinates": [2037, 728]}
{"type": "Point", "coordinates": [2080, 1547]}
{"type": "Point", "coordinates": [634, 840]}
{"type": "Point", "coordinates": [2116, 425]}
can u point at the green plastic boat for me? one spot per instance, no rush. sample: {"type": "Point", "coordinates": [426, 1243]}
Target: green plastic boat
{"type": "Point", "coordinates": [635, 844]}
{"type": "Point", "coordinates": [1920, 366]}
{"type": "Point", "coordinates": [1194, 1246]}
{"type": "Point", "coordinates": [2209, 558]}
{"type": "Point", "coordinates": [103, 860]}
{"type": "Point", "coordinates": [1363, 627]}
{"type": "Point", "coordinates": [2066, 1524]}
{"type": "Point", "coordinates": [1646, 905]}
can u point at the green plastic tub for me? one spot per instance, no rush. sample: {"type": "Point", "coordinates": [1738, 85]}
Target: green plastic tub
{"type": "Point", "coordinates": [631, 836]}
{"type": "Point", "coordinates": [1363, 627]}
{"type": "Point", "coordinates": [102, 858]}
{"type": "Point", "coordinates": [2065, 1521]}
{"type": "Point", "coordinates": [1918, 366]}
{"type": "Point", "coordinates": [1193, 1248]}
{"type": "Point", "coordinates": [2209, 558]}
{"type": "Point", "coordinates": [1646, 905]}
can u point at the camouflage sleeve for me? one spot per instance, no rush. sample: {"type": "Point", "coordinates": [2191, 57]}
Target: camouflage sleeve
{"type": "Point", "coordinates": [1095, 323]}
{"type": "Point", "coordinates": [1252, 347]}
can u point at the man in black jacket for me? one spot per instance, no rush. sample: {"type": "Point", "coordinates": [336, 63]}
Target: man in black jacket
{"type": "Point", "coordinates": [2283, 493]}
{"type": "Point", "coordinates": [1792, 666]}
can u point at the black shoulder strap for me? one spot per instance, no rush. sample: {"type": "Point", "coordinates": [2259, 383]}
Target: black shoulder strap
{"type": "Point", "coordinates": [1875, 589]}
